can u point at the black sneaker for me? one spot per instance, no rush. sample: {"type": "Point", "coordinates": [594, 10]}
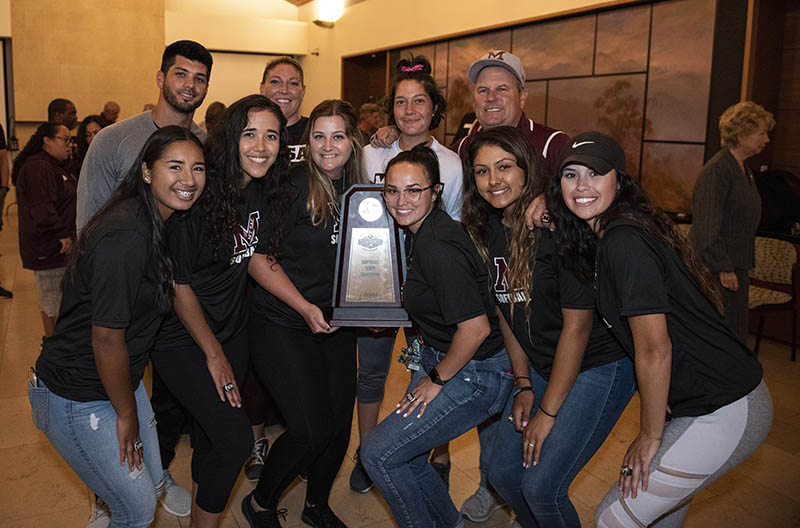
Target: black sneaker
{"type": "Point", "coordinates": [5, 294]}
{"type": "Point", "coordinates": [261, 519]}
{"type": "Point", "coordinates": [443, 470]}
{"type": "Point", "coordinates": [254, 464]}
{"type": "Point", "coordinates": [359, 479]}
{"type": "Point", "coordinates": [321, 517]}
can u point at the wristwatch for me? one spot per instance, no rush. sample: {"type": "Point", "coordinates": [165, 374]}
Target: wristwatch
{"type": "Point", "coordinates": [434, 375]}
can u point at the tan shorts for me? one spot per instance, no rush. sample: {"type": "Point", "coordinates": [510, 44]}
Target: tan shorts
{"type": "Point", "coordinates": [49, 283]}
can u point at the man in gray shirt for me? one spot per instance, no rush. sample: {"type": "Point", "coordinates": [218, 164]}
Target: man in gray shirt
{"type": "Point", "coordinates": [183, 84]}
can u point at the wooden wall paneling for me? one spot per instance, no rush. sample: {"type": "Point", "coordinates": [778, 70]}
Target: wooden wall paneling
{"type": "Point", "coordinates": [563, 48]}
{"type": "Point", "coordinates": [622, 39]}
{"type": "Point", "coordinates": [669, 171]}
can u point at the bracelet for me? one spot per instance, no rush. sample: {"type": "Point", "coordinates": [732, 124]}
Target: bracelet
{"type": "Point", "coordinates": [547, 413]}
{"type": "Point", "coordinates": [434, 375]}
{"type": "Point", "coordinates": [521, 389]}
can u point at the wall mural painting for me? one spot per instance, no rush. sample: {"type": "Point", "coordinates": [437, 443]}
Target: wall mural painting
{"type": "Point", "coordinates": [680, 70]}
{"type": "Point", "coordinates": [563, 48]}
{"type": "Point", "coordinates": [669, 171]}
{"type": "Point", "coordinates": [589, 72]}
{"type": "Point", "coordinates": [610, 104]}
{"type": "Point", "coordinates": [622, 40]}
{"type": "Point", "coordinates": [463, 52]}
{"type": "Point", "coordinates": [536, 103]}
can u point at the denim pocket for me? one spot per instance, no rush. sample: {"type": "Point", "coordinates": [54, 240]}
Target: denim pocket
{"type": "Point", "coordinates": [40, 403]}
{"type": "Point", "coordinates": [504, 386]}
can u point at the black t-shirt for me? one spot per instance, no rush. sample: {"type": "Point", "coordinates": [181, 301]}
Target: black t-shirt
{"type": "Point", "coordinates": [638, 275]}
{"type": "Point", "coordinates": [297, 149]}
{"type": "Point", "coordinates": [220, 283]}
{"type": "Point", "coordinates": [307, 255]}
{"type": "Point", "coordinates": [447, 283]}
{"type": "Point", "coordinates": [115, 286]}
{"type": "Point", "coordinates": [554, 287]}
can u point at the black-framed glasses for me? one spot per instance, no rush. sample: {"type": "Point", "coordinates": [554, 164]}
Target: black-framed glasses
{"type": "Point", "coordinates": [412, 194]}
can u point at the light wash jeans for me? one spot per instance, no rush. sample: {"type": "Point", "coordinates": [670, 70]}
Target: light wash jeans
{"type": "Point", "coordinates": [395, 454]}
{"type": "Point", "coordinates": [538, 495]}
{"type": "Point", "coordinates": [85, 435]}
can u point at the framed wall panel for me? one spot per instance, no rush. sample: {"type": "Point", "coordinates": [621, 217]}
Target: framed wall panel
{"type": "Point", "coordinates": [563, 48]}
{"type": "Point", "coordinates": [669, 172]}
{"type": "Point", "coordinates": [622, 40]}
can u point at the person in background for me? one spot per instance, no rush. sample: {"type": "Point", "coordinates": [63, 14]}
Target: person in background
{"type": "Point", "coordinates": [308, 367]}
{"type": "Point", "coordinates": [214, 115]}
{"type": "Point", "coordinates": [704, 404]}
{"type": "Point", "coordinates": [87, 131]}
{"type": "Point", "coordinates": [86, 392]}
{"type": "Point", "coordinates": [368, 119]}
{"type": "Point", "coordinates": [62, 111]}
{"type": "Point", "coordinates": [109, 114]}
{"type": "Point", "coordinates": [282, 82]}
{"type": "Point", "coordinates": [46, 198]}
{"type": "Point", "coordinates": [726, 208]}
{"type": "Point", "coordinates": [5, 178]}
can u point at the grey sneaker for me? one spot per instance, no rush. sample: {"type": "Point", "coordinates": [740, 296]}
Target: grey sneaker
{"type": "Point", "coordinates": [100, 516]}
{"type": "Point", "coordinates": [480, 505]}
{"type": "Point", "coordinates": [254, 464]}
{"type": "Point", "coordinates": [172, 497]}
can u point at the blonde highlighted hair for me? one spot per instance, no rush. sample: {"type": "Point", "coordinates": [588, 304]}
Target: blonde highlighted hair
{"type": "Point", "coordinates": [742, 119]}
{"type": "Point", "coordinates": [321, 191]}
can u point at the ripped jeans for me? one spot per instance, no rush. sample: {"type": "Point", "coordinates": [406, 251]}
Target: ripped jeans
{"type": "Point", "coordinates": [85, 435]}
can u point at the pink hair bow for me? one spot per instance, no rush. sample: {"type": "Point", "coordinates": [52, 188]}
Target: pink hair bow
{"type": "Point", "coordinates": [418, 67]}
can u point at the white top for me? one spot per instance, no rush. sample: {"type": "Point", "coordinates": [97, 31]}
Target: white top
{"type": "Point", "coordinates": [376, 159]}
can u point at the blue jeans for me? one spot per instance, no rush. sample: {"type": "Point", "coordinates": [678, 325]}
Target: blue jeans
{"type": "Point", "coordinates": [85, 435]}
{"type": "Point", "coordinates": [395, 454]}
{"type": "Point", "coordinates": [538, 495]}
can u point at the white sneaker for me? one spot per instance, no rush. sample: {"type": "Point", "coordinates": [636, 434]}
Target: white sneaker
{"type": "Point", "coordinates": [172, 497]}
{"type": "Point", "coordinates": [480, 505]}
{"type": "Point", "coordinates": [100, 516]}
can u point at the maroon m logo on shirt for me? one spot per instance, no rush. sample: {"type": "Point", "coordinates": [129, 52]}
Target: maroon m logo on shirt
{"type": "Point", "coordinates": [500, 285]}
{"type": "Point", "coordinates": [246, 237]}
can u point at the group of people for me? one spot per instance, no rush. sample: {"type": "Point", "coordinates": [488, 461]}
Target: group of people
{"type": "Point", "coordinates": [216, 260]}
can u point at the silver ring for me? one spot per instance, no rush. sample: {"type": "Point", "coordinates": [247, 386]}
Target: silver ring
{"type": "Point", "coordinates": [228, 387]}
{"type": "Point", "coordinates": [531, 444]}
{"type": "Point", "coordinates": [625, 471]}
{"type": "Point", "coordinates": [510, 418]}
{"type": "Point", "coordinates": [137, 445]}
{"type": "Point", "coordinates": [410, 397]}
{"type": "Point", "coordinates": [545, 218]}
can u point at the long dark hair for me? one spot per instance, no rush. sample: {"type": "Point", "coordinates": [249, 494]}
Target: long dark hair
{"type": "Point", "coordinates": [133, 187]}
{"type": "Point", "coordinates": [577, 243]}
{"type": "Point", "coordinates": [475, 211]}
{"type": "Point", "coordinates": [417, 69]}
{"type": "Point", "coordinates": [83, 145]}
{"type": "Point", "coordinates": [222, 198]}
{"type": "Point", "coordinates": [34, 146]}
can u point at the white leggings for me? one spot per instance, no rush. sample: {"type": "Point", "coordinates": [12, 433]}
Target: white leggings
{"type": "Point", "coordinates": [694, 452]}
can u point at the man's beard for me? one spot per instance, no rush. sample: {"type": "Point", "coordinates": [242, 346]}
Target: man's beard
{"type": "Point", "coordinates": [187, 107]}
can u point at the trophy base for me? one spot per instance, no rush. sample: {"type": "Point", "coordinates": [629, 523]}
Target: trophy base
{"type": "Point", "coordinates": [370, 317]}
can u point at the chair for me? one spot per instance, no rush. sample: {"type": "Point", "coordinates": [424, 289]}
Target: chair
{"type": "Point", "coordinates": [775, 283]}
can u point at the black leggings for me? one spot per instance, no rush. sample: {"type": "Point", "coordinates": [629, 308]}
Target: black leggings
{"type": "Point", "coordinates": [221, 435]}
{"type": "Point", "coordinates": [312, 379]}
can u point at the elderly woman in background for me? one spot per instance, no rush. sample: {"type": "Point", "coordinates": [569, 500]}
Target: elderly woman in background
{"type": "Point", "coordinates": [727, 207]}
{"type": "Point", "coordinates": [46, 197]}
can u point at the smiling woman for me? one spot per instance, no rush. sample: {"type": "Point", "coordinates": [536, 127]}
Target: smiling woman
{"type": "Point", "coordinates": [88, 397]}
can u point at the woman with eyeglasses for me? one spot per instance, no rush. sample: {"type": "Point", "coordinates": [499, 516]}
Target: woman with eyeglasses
{"type": "Point", "coordinates": [416, 106]}
{"type": "Point", "coordinates": [46, 198]}
{"type": "Point", "coordinates": [465, 372]}
{"type": "Point", "coordinates": [308, 367]}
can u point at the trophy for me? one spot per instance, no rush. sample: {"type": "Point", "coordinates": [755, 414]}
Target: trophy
{"type": "Point", "coordinates": [370, 265]}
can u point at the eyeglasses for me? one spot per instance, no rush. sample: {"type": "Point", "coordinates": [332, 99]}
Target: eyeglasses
{"type": "Point", "coordinates": [62, 138]}
{"type": "Point", "coordinates": [413, 194]}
